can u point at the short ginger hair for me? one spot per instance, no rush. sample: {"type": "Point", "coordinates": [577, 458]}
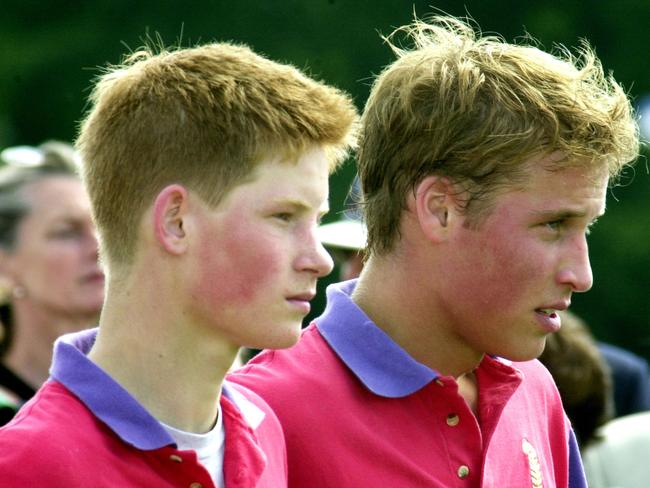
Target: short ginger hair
{"type": "Point", "coordinates": [203, 117]}
{"type": "Point", "coordinates": [474, 108]}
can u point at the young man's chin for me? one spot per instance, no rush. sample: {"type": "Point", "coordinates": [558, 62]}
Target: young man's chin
{"type": "Point", "coordinates": [528, 354]}
{"type": "Point", "coordinates": [286, 336]}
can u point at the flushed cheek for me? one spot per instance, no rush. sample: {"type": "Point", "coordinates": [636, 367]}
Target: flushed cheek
{"type": "Point", "coordinates": [499, 278]}
{"type": "Point", "coordinates": [238, 267]}
{"type": "Point", "coordinates": [518, 273]}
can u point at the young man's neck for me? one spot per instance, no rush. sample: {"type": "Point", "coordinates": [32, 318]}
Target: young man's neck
{"type": "Point", "coordinates": [389, 293]}
{"type": "Point", "coordinates": [172, 367]}
{"type": "Point", "coordinates": [389, 296]}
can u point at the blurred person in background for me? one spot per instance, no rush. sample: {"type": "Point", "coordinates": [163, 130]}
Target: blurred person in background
{"type": "Point", "coordinates": [51, 281]}
{"type": "Point", "coordinates": [630, 379]}
{"type": "Point", "coordinates": [619, 456]}
{"type": "Point", "coordinates": [345, 238]}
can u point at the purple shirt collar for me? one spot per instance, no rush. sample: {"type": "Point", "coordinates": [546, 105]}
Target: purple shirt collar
{"type": "Point", "coordinates": [103, 396]}
{"type": "Point", "coordinates": [382, 366]}
{"type": "Point", "coordinates": [110, 402]}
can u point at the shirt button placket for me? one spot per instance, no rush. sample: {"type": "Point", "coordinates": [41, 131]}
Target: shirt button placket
{"type": "Point", "coordinates": [452, 421]}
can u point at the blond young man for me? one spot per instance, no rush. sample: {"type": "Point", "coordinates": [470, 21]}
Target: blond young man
{"type": "Point", "coordinates": [207, 170]}
{"type": "Point", "coordinates": [482, 164]}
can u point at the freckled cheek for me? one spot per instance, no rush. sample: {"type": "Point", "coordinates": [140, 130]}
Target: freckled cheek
{"type": "Point", "coordinates": [238, 268]}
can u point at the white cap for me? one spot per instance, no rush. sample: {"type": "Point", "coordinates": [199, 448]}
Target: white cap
{"type": "Point", "coordinates": [345, 234]}
{"type": "Point", "coordinates": [24, 156]}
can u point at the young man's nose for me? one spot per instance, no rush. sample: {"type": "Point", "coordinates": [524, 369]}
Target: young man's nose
{"type": "Point", "coordinates": [315, 258]}
{"type": "Point", "coordinates": [576, 270]}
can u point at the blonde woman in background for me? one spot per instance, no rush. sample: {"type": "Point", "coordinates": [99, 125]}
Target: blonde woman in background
{"type": "Point", "coordinates": [50, 280]}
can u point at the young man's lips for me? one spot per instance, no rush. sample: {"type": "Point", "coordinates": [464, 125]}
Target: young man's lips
{"type": "Point", "coordinates": [548, 316]}
{"type": "Point", "coordinates": [554, 307]}
{"type": "Point", "coordinates": [93, 277]}
{"type": "Point", "coordinates": [301, 301]}
{"type": "Point", "coordinates": [305, 297]}
{"type": "Point", "coordinates": [549, 321]}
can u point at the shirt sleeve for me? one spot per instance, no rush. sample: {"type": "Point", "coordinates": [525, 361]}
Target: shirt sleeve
{"type": "Point", "coordinates": [577, 477]}
{"type": "Point", "coordinates": [643, 398]}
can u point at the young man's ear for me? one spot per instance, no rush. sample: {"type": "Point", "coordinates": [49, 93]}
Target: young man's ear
{"type": "Point", "coordinates": [169, 211]}
{"type": "Point", "coordinates": [435, 202]}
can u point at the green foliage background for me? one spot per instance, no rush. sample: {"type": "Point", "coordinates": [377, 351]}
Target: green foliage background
{"type": "Point", "coordinates": [50, 51]}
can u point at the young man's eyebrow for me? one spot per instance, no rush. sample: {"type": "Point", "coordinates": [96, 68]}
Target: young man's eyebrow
{"type": "Point", "coordinates": [562, 214]}
{"type": "Point", "coordinates": [299, 204]}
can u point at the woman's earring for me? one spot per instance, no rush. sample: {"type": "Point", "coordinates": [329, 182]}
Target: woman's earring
{"type": "Point", "coordinates": [18, 292]}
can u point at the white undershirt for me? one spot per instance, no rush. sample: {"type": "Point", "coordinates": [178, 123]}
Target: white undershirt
{"type": "Point", "coordinates": [209, 447]}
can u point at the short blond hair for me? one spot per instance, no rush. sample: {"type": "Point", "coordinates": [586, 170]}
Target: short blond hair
{"type": "Point", "coordinates": [473, 109]}
{"type": "Point", "coordinates": [203, 117]}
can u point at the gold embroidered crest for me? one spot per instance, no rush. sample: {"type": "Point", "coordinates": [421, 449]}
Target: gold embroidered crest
{"type": "Point", "coordinates": [533, 464]}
